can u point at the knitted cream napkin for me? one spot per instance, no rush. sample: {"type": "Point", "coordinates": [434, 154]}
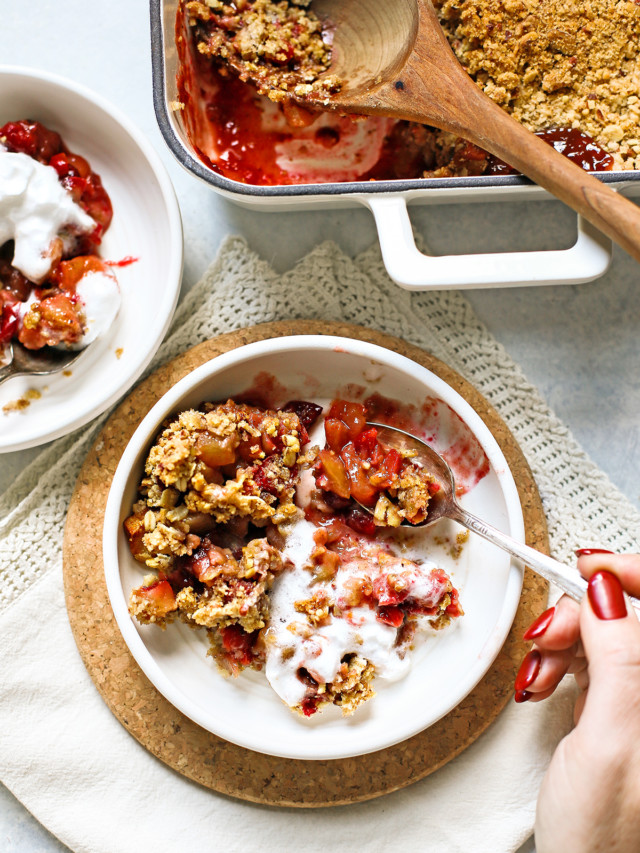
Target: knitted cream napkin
{"type": "Point", "coordinates": [72, 764]}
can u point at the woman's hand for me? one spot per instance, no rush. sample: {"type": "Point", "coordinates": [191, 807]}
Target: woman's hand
{"type": "Point", "coordinates": [590, 797]}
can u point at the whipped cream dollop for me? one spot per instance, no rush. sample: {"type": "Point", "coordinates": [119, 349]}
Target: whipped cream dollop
{"type": "Point", "coordinates": [100, 296]}
{"type": "Point", "coordinates": [320, 650]}
{"type": "Point", "coordinates": [35, 209]}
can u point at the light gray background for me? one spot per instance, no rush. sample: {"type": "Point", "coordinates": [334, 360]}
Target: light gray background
{"type": "Point", "coordinates": [579, 344]}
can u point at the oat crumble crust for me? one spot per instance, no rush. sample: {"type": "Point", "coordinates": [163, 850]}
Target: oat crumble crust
{"type": "Point", "coordinates": [185, 480]}
{"type": "Point", "coordinates": [555, 63]}
{"type": "Point", "coordinates": [278, 44]}
{"type": "Point", "coordinates": [350, 688]}
{"type": "Point", "coordinates": [210, 474]}
{"type": "Point", "coordinates": [411, 496]}
{"type": "Point", "coordinates": [227, 464]}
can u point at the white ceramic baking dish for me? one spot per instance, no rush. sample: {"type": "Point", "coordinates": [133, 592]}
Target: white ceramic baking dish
{"type": "Point", "coordinates": [586, 260]}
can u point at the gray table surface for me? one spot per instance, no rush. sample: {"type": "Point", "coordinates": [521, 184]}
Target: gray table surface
{"type": "Point", "coordinates": [579, 344]}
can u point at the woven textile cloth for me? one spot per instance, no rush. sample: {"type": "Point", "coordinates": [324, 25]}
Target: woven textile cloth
{"type": "Point", "coordinates": [76, 769]}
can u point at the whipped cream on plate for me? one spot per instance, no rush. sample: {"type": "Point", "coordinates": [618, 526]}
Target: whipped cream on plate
{"type": "Point", "coordinates": [35, 209]}
{"type": "Point", "coordinates": [100, 297]}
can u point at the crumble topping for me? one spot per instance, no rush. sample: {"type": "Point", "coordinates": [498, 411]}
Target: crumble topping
{"type": "Point", "coordinates": [278, 44]}
{"type": "Point", "coordinates": [228, 461]}
{"type": "Point", "coordinates": [556, 63]}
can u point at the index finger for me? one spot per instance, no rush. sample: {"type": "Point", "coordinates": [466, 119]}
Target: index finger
{"type": "Point", "coordinates": [625, 566]}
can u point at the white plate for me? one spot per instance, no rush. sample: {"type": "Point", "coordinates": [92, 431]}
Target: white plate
{"type": "Point", "coordinates": [245, 710]}
{"type": "Point", "coordinates": [146, 225]}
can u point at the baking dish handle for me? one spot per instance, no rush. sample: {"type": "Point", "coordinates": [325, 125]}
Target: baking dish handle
{"type": "Point", "coordinates": [587, 259]}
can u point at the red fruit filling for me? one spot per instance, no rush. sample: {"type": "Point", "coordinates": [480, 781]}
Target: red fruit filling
{"type": "Point", "coordinates": [160, 595]}
{"type": "Point", "coordinates": [237, 644]}
{"type": "Point", "coordinates": [54, 318]}
{"type": "Point", "coordinates": [355, 464]}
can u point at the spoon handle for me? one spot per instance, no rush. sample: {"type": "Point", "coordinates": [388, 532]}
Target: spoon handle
{"type": "Point", "coordinates": [564, 577]}
{"type": "Point", "coordinates": [6, 371]}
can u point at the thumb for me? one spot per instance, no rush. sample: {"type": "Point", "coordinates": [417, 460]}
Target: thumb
{"type": "Point", "coordinates": [611, 637]}
{"type": "Point", "coordinates": [610, 717]}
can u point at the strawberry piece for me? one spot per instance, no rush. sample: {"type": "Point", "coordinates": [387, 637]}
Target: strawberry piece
{"type": "Point", "coordinates": [333, 475]}
{"type": "Point", "coordinates": [387, 594]}
{"type": "Point", "coordinates": [309, 705]}
{"type": "Point", "coordinates": [390, 615]}
{"type": "Point", "coordinates": [237, 643]}
{"type": "Point", "coordinates": [388, 470]}
{"type": "Point", "coordinates": [160, 595]}
{"type": "Point", "coordinates": [70, 164]}
{"type": "Point", "coordinates": [454, 609]}
{"type": "Point", "coordinates": [270, 485]}
{"type": "Point", "coordinates": [360, 487]}
{"type": "Point", "coordinates": [96, 202]}
{"type": "Point", "coordinates": [367, 442]}
{"type": "Point", "coordinates": [32, 138]}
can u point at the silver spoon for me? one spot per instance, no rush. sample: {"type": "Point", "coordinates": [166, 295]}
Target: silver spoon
{"type": "Point", "coordinates": [40, 362]}
{"type": "Point", "coordinates": [443, 504]}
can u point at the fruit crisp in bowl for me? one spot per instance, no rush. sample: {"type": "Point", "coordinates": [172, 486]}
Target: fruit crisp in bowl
{"type": "Point", "coordinates": [254, 534]}
{"type": "Point", "coordinates": [348, 598]}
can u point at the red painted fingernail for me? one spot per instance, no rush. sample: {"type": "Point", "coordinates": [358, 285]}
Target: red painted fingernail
{"type": "Point", "coordinates": [537, 628]}
{"type": "Point", "coordinates": [521, 696]}
{"type": "Point", "coordinates": [528, 671]}
{"type": "Point", "coordinates": [606, 596]}
{"type": "Point", "coordinates": [586, 552]}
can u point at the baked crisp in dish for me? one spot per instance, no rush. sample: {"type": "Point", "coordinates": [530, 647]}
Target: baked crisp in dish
{"type": "Point", "coordinates": [567, 70]}
{"type": "Point", "coordinates": [255, 537]}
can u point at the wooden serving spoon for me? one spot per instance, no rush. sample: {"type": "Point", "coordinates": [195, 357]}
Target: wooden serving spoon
{"type": "Point", "coordinates": [394, 60]}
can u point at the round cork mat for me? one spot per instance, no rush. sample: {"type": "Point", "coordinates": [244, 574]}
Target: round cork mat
{"type": "Point", "coordinates": [204, 757]}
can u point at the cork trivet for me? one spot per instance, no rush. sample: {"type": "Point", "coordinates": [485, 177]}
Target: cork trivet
{"type": "Point", "coordinates": [204, 757]}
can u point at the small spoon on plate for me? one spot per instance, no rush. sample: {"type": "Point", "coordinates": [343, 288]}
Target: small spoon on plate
{"type": "Point", "coordinates": [25, 362]}
{"type": "Point", "coordinates": [443, 504]}
{"type": "Point", "coordinates": [394, 60]}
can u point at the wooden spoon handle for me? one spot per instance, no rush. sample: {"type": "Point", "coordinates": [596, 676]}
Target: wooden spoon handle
{"type": "Point", "coordinates": [611, 213]}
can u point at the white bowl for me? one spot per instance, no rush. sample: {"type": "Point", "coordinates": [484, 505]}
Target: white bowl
{"type": "Point", "coordinates": [146, 225]}
{"type": "Point", "coordinates": [246, 710]}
